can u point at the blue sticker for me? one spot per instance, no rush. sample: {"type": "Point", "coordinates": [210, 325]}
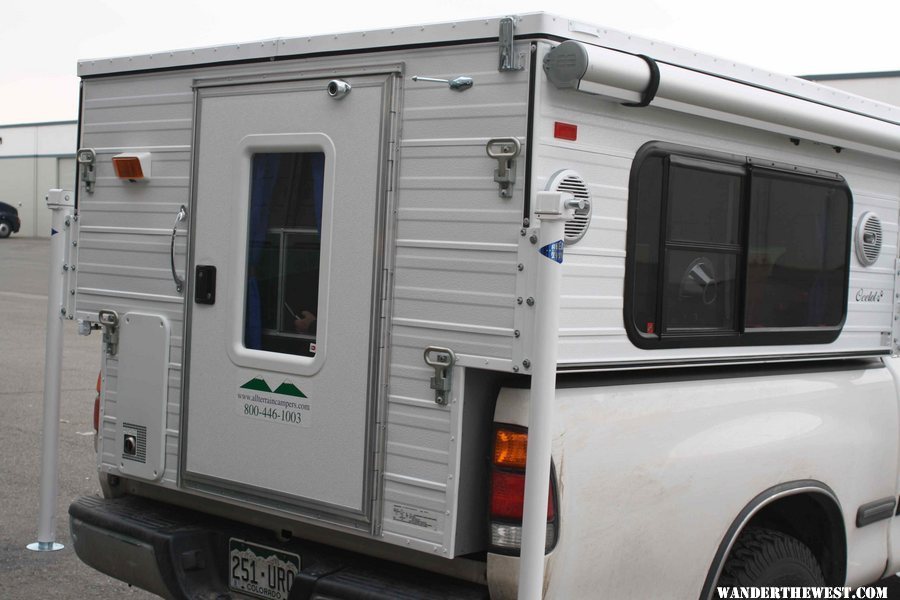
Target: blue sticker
{"type": "Point", "coordinates": [554, 251]}
{"type": "Point", "coordinates": [53, 232]}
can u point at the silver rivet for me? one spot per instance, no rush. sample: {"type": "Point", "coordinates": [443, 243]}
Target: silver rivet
{"type": "Point", "coordinates": [516, 333]}
{"type": "Point", "coordinates": [522, 232]}
{"type": "Point", "coordinates": [515, 369]}
{"type": "Point", "coordinates": [519, 300]}
{"type": "Point", "coordinates": [520, 266]}
{"type": "Point", "coordinates": [526, 222]}
{"type": "Point", "coordinates": [530, 301]}
{"type": "Point", "coordinates": [526, 363]}
{"type": "Point", "coordinates": [533, 239]}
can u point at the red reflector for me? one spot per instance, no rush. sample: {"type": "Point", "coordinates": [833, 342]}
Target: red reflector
{"type": "Point", "coordinates": [565, 131]}
{"type": "Point", "coordinates": [508, 496]}
{"type": "Point", "coordinates": [97, 405]}
{"type": "Point", "coordinates": [128, 167]}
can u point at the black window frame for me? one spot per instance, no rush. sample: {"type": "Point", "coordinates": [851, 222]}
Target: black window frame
{"type": "Point", "coordinates": [741, 335]}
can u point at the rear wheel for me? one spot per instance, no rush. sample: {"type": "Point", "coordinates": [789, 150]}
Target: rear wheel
{"type": "Point", "coordinates": [768, 558]}
{"type": "Point", "coordinates": [5, 229]}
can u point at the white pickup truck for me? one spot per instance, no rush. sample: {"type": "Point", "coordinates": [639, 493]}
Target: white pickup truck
{"type": "Point", "coordinates": [323, 268]}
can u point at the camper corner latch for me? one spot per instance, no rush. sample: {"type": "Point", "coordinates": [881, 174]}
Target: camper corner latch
{"type": "Point", "coordinates": [87, 159]}
{"type": "Point", "coordinates": [109, 321]}
{"type": "Point", "coordinates": [442, 361]}
{"type": "Point", "coordinates": [508, 60]}
{"type": "Point", "coordinates": [504, 151]}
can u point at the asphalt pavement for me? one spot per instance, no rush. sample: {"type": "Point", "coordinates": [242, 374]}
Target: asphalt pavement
{"type": "Point", "coordinates": [23, 305]}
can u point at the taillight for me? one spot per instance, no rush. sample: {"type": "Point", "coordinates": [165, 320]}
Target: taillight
{"type": "Point", "coordinates": [508, 491]}
{"type": "Point", "coordinates": [97, 403]}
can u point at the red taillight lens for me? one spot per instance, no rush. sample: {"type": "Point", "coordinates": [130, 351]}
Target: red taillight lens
{"type": "Point", "coordinates": [508, 496]}
{"type": "Point", "coordinates": [97, 403]}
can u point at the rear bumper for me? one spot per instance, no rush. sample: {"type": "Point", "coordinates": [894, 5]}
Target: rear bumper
{"type": "Point", "coordinates": [177, 553]}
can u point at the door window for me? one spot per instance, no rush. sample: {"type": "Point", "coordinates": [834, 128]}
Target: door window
{"type": "Point", "coordinates": [283, 257]}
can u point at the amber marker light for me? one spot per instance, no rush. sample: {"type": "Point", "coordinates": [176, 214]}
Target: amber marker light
{"type": "Point", "coordinates": [510, 448]}
{"type": "Point", "coordinates": [132, 166]}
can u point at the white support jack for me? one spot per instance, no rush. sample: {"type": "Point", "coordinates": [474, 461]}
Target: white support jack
{"type": "Point", "coordinates": [62, 204]}
{"type": "Point", "coordinates": [553, 209]}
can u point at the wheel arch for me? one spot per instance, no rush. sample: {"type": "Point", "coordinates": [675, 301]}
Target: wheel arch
{"type": "Point", "coordinates": [807, 510]}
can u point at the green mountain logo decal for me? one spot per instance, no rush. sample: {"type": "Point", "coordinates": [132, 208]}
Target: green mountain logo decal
{"type": "Point", "coordinates": [258, 384]}
{"type": "Point", "coordinates": [289, 389]}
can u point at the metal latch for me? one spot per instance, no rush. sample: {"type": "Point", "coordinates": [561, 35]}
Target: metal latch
{"type": "Point", "coordinates": [442, 361]}
{"type": "Point", "coordinates": [109, 321]}
{"type": "Point", "coordinates": [506, 38]}
{"type": "Point", "coordinates": [504, 151]}
{"type": "Point", "coordinates": [87, 159]}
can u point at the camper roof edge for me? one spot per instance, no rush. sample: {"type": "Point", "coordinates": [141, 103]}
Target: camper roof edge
{"type": "Point", "coordinates": [527, 25]}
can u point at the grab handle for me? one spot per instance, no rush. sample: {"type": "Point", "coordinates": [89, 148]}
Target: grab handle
{"type": "Point", "coordinates": [179, 282]}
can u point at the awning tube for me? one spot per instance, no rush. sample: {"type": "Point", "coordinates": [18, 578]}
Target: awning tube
{"type": "Point", "coordinates": [626, 77]}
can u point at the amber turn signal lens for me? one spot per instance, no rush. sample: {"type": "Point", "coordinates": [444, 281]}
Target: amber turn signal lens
{"type": "Point", "coordinates": [510, 448]}
{"type": "Point", "coordinates": [128, 167]}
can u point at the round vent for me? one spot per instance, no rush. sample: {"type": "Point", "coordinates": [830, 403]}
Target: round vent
{"type": "Point", "coordinates": [571, 182]}
{"type": "Point", "coordinates": [868, 239]}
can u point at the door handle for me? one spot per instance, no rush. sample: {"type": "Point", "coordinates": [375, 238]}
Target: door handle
{"type": "Point", "coordinates": [181, 216]}
{"type": "Point", "coordinates": [205, 284]}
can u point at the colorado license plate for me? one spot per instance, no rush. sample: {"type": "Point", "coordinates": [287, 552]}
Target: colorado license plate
{"type": "Point", "coordinates": [260, 571]}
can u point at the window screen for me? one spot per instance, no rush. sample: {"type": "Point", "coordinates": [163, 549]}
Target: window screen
{"type": "Point", "coordinates": [282, 295]}
{"type": "Point", "coordinates": [727, 250]}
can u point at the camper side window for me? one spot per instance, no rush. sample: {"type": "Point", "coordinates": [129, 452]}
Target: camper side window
{"type": "Point", "coordinates": [282, 289]}
{"type": "Point", "coordinates": [726, 250]}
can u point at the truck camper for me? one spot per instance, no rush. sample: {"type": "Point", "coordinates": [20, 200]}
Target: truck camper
{"type": "Point", "coordinates": [512, 307]}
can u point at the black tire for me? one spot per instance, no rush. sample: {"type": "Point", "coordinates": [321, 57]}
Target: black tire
{"type": "Point", "coordinates": [768, 558]}
{"type": "Point", "coordinates": [5, 229]}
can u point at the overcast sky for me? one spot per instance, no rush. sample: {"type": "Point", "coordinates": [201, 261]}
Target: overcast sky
{"type": "Point", "coordinates": [41, 40]}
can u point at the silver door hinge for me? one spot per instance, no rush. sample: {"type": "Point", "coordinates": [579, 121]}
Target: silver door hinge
{"type": "Point", "coordinates": [442, 361]}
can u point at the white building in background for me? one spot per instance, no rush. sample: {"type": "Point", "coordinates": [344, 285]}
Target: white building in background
{"type": "Point", "coordinates": [35, 157]}
{"type": "Point", "coordinates": [882, 85]}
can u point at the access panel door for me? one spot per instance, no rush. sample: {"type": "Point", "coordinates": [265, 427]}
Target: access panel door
{"type": "Point", "coordinates": [282, 353]}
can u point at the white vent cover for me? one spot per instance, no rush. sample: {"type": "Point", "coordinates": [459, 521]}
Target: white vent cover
{"type": "Point", "coordinates": [868, 239]}
{"type": "Point", "coordinates": [569, 181]}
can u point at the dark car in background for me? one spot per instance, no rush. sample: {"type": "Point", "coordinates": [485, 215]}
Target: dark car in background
{"type": "Point", "coordinates": [9, 220]}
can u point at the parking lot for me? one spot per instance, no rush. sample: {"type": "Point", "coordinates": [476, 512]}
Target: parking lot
{"type": "Point", "coordinates": [23, 305]}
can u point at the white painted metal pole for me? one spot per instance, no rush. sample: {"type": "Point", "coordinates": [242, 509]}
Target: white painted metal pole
{"type": "Point", "coordinates": [61, 204]}
{"type": "Point", "coordinates": [551, 209]}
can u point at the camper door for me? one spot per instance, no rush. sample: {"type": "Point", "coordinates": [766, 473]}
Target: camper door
{"type": "Point", "coordinates": [282, 349]}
